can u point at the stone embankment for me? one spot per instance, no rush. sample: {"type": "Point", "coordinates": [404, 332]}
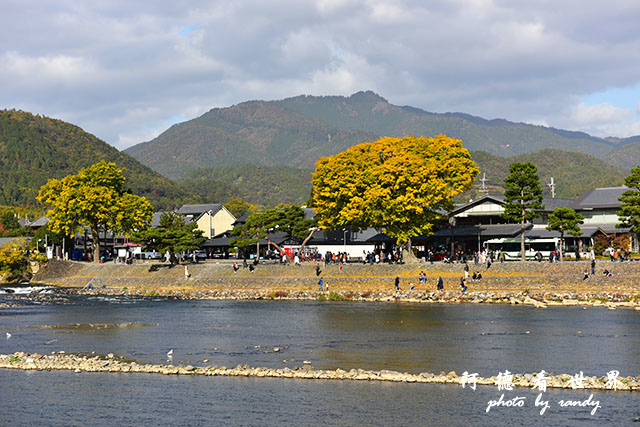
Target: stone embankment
{"type": "Point", "coordinates": [529, 283]}
{"type": "Point", "coordinates": [111, 363]}
{"type": "Point", "coordinates": [566, 276]}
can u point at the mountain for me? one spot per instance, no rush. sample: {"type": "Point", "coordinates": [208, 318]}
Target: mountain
{"type": "Point", "coordinates": [573, 173]}
{"type": "Point", "coordinates": [260, 185]}
{"type": "Point", "coordinates": [34, 149]}
{"type": "Point", "coordinates": [297, 131]}
{"type": "Point", "coordinates": [255, 132]}
{"type": "Point", "coordinates": [626, 156]}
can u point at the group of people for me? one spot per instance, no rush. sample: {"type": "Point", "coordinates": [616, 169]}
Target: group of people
{"type": "Point", "coordinates": [376, 257]}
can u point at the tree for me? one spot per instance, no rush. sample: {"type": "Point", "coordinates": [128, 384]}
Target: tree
{"type": "Point", "coordinates": [395, 184]}
{"type": "Point", "coordinates": [239, 207]}
{"type": "Point", "coordinates": [565, 220]}
{"type": "Point", "coordinates": [95, 198]}
{"type": "Point", "coordinates": [629, 213]}
{"type": "Point", "coordinates": [14, 262]}
{"type": "Point", "coordinates": [523, 197]}
{"type": "Point", "coordinates": [173, 236]}
{"type": "Point", "coordinates": [9, 222]}
{"type": "Point", "coordinates": [289, 219]}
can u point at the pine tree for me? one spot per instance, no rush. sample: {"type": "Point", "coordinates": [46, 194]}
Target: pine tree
{"type": "Point", "coordinates": [523, 197]}
{"type": "Point", "coordinates": [629, 213]}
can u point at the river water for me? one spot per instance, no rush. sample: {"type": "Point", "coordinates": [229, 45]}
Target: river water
{"type": "Point", "coordinates": [486, 339]}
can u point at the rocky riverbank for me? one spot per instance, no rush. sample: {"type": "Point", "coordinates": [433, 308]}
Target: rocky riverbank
{"type": "Point", "coordinates": [111, 363]}
{"type": "Point", "coordinates": [609, 300]}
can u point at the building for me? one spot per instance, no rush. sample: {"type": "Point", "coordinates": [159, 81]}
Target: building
{"type": "Point", "coordinates": [213, 219]}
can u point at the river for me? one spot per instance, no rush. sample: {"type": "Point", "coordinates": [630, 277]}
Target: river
{"type": "Point", "coordinates": [486, 339]}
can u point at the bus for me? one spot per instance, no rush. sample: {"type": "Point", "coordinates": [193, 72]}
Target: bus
{"type": "Point", "coordinates": [510, 247]}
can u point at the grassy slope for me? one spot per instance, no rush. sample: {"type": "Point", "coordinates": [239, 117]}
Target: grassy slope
{"type": "Point", "coordinates": [34, 149]}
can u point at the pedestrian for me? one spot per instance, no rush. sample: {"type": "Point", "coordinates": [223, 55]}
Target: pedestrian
{"type": "Point", "coordinates": [320, 285]}
{"type": "Point", "coordinates": [585, 275]}
{"type": "Point", "coordinates": [466, 270]}
{"type": "Point", "coordinates": [440, 284]}
{"type": "Point", "coordinates": [593, 267]}
{"type": "Point", "coordinates": [488, 263]}
{"type": "Point", "coordinates": [397, 283]}
{"type": "Point", "coordinates": [463, 286]}
{"type": "Point", "coordinates": [318, 271]}
{"type": "Point", "coordinates": [235, 267]}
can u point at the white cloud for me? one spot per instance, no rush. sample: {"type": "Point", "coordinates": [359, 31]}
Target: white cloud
{"type": "Point", "coordinates": [125, 70]}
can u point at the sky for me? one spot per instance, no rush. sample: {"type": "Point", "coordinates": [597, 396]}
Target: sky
{"type": "Point", "coordinates": [127, 70]}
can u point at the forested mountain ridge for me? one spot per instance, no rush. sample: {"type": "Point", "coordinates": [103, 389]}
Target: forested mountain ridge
{"type": "Point", "coordinates": [298, 131]}
{"type": "Point", "coordinates": [254, 132]}
{"type": "Point", "coordinates": [34, 149]}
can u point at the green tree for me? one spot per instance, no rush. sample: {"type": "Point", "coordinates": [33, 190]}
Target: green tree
{"type": "Point", "coordinates": [9, 222]}
{"type": "Point", "coordinates": [565, 220]}
{"type": "Point", "coordinates": [523, 197]}
{"type": "Point", "coordinates": [394, 184]}
{"type": "Point", "coordinates": [173, 236]}
{"type": "Point", "coordinates": [95, 197]}
{"type": "Point", "coordinates": [289, 219]}
{"type": "Point", "coordinates": [629, 213]}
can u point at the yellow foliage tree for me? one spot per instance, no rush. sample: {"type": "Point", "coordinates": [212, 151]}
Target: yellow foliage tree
{"type": "Point", "coordinates": [394, 184]}
{"type": "Point", "coordinates": [13, 261]}
{"type": "Point", "coordinates": [96, 198]}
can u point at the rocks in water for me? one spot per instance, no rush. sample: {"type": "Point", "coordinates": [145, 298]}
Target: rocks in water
{"type": "Point", "coordinates": [79, 364]}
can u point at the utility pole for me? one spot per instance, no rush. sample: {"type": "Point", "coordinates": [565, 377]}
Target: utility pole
{"type": "Point", "coordinates": [552, 185]}
{"type": "Point", "coordinates": [483, 188]}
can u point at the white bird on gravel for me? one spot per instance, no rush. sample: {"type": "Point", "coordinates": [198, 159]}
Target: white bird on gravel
{"type": "Point", "coordinates": [8, 335]}
{"type": "Point", "coordinates": [170, 353]}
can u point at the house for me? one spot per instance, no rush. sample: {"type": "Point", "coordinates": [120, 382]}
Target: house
{"type": "Point", "coordinates": [213, 219]}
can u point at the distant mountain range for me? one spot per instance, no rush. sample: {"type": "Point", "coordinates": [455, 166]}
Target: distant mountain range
{"type": "Point", "coordinates": [297, 131]}
{"type": "Point", "coordinates": [265, 151]}
{"type": "Point", "coordinates": [34, 149]}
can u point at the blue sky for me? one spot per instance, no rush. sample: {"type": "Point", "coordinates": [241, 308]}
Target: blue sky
{"type": "Point", "coordinates": [125, 71]}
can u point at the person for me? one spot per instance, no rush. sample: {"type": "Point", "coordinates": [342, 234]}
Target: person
{"type": "Point", "coordinates": [244, 263]}
{"type": "Point", "coordinates": [251, 268]}
{"type": "Point", "coordinates": [186, 272]}
{"type": "Point", "coordinates": [488, 262]}
{"type": "Point", "coordinates": [463, 286]}
{"type": "Point", "coordinates": [440, 284]}
{"type": "Point", "coordinates": [479, 276]}
{"type": "Point", "coordinates": [318, 271]}
{"type": "Point", "coordinates": [585, 275]}
{"type": "Point", "coordinates": [606, 273]}
{"type": "Point", "coordinates": [412, 286]}
{"type": "Point", "coordinates": [397, 283]}
{"type": "Point", "coordinates": [593, 266]}
{"type": "Point", "coordinates": [296, 260]}
{"type": "Point", "coordinates": [538, 256]}
{"type": "Point", "coordinates": [423, 277]}
{"type": "Point", "coordinates": [320, 285]}
{"type": "Point", "coordinates": [235, 267]}
{"type": "Point", "coordinates": [466, 270]}
{"type": "Point", "coordinates": [474, 277]}
{"type": "Point", "coordinates": [326, 287]}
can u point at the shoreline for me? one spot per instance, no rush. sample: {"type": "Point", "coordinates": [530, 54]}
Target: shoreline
{"type": "Point", "coordinates": [530, 283]}
{"type": "Point", "coordinates": [113, 364]}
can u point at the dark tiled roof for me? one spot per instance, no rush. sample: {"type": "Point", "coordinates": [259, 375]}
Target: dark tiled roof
{"type": "Point", "coordinates": [40, 222]}
{"type": "Point", "coordinates": [199, 209]}
{"type": "Point", "coordinates": [600, 198]}
{"type": "Point", "coordinates": [552, 204]}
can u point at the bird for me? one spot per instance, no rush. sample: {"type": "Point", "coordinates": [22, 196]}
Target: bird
{"type": "Point", "coordinates": [170, 353]}
{"type": "Point", "coordinates": [8, 335]}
